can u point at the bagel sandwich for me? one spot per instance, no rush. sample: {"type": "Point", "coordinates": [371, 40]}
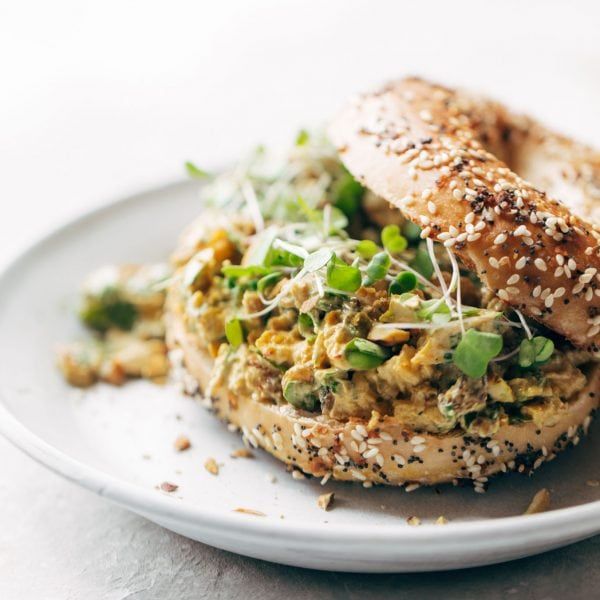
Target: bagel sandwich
{"type": "Point", "coordinates": [360, 321]}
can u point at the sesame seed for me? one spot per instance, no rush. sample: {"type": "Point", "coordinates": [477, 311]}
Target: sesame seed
{"type": "Point", "coordinates": [513, 279]}
{"type": "Point", "coordinates": [362, 430]}
{"type": "Point", "coordinates": [540, 264]}
{"type": "Point", "coordinates": [521, 263]}
{"type": "Point", "coordinates": [500, 239]}
{"type": "Point", "coordinates": [431, 207]}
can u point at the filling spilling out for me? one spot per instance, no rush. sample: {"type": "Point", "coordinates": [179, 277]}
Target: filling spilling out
{"type": "Point", "coordinates": [309, 291]}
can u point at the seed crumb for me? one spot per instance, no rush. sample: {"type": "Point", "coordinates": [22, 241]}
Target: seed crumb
{"type": "Point", "coordinates": [182, 443]}
{"type": "Point", "coordinates": [539, 503]}
{"type": "Point", "coordinates": [211, 466]}
{"type": "Point", "coordinates": [297, 474]}
{"type": "Point", "coordinates": [242, 453]}
{"type": "Point", "coordinates": [414, 521]}
{"type": "Point", "coordinates": [325, 501]}
{"type": "Point", "coordinates": [441, 520]}
{"type": "Point", "coordinates": [166, 486]}
{"type": "Point", "coordinates": [593, 482]}
{"type": "Point", "coordinates": [250, 511]}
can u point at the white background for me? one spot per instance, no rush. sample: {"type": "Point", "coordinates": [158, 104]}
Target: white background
{"type": "Point", "coordinates": [98, 99]}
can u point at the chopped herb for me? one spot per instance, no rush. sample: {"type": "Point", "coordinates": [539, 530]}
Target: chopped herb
{"type": "Point", "coordinates": [362, 354]}
{"type": "Point", "coordinates": [234, 333]}
{"type": "Point", "coordinates": [301, 394]}
{"type": "Point", "coordinates": [475, 350]}
{"type": "Point", "coordinates": [404, 282]}
{"type": "Point", "coordinates": [535, 351]}
{"type": "Point", "coordinates": [378, 267]}
{"type": "Point", "coordinates": [195, 172]}
{"type": "Point", "coordinates": [367, 249]}
{"type": "Point", "coordinates": [343, 277]}
{"type": "Point", "coordinates": [108, 311]}
{"type": "Point", "coordinates": [393, 241]}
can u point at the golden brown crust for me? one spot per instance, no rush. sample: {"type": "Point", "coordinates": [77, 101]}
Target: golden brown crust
{"type": "Point", "coordinates": [425, 149]}
{"type": "Point", "coordinates": [381, 450]}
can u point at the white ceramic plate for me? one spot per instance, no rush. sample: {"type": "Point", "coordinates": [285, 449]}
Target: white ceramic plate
{"type": "Point", "coordinates": [119, 442]}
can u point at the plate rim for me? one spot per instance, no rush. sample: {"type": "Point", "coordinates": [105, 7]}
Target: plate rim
{"type": "Point", "coordinates": [147, 501]}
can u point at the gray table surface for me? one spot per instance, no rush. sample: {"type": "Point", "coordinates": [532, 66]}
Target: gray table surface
{"type": "Point", "coordinates": [60, 542]}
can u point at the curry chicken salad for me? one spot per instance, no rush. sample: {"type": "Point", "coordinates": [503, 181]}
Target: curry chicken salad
{"type": "Point", "coordinates": [338, 335]}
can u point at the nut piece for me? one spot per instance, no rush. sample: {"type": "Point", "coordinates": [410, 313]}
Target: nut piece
{"type": "Point", "coordinates": [441, 520]}
{"type": "Point", "coordinates": [539, 503]}
{"type": "Point", "coordinates": [414, 521]}
{"type": "Point", "coordinates": [325, 501]}
{"type": "Point", "coordinates": [211, 466]}
{"type": "Point", "coordinates": [182, 443]}
{"type": "Point", "coordinates": [242, 453]}
{"type": "Point", "coordinates": [166, 486]}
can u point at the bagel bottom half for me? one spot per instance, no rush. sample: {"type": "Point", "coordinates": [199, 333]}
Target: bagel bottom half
{"type": "Point", "coordinates": [324, 447]}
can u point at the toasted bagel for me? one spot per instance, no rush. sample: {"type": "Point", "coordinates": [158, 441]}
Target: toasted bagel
{"type": "Point", "coordinates": [444, 159]}
{"type": "Point", "coordinates": [380, 450]}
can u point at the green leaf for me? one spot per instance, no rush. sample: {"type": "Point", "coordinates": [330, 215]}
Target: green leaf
{"type": "Point", "coordinates": [475, 350]}
{"type": "Point", "coordinates": [302, 138]}
{"type": "Point", "coordinates": [378, 267]}
{"type": "Point", "coordinates": [367, 249]}
{"type": "Point", "coordinates": [535, 351]}
{"type": "Point", "coordinates": [268, 281]}
{"type": "Point", "coordinates": [261, 247]}
{"type": "Point", "coordinates": [317, 260]}
{"type": "Point", "coordinates": [404, 282]}
{"type": "Point", "coordinates": [341, 276]}
{"type": "Point", "coordinates": [195, 172]}
{"type": "Point", "coordinates": [234, 332]}
{"type": "Point", "coordinates": [362, 354]}
{"type": "Point", "coordinates": [421, 263]}
{"type": "Point", "coordinates": [431, 307]}
{"type": "Point", "coordinates": [347, 194]}
{"type": "Point", "coordinates": [393, 241]}
{"type": "Point", "coordinates": [337, 222]}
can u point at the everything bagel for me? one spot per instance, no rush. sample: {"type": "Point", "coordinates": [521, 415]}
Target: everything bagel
{"type": "Point", "coordinates": [459, 168]}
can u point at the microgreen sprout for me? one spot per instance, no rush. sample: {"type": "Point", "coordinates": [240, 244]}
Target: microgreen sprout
{"type": "Point", "coordinates": [535, 351]}
{"type": "Point", "coordinates": [475, 350]}
{"type": "Point", "coordinates": [393, 241]}
{"type": "Point", "coordinates": [378, 268]}
{"type": "Point", "coordinates": [317, 260]}
{"type": "Point", "coordinates": [268, 281]}
{"type": "Point", "coordinates": [404, 282]}
{"type": "Point", "coordinates": [367, 249]}
{"type": "Point", "coordinates": [341, 276]}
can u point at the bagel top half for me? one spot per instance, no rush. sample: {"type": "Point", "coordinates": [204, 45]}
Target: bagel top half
{"type": "Point", "coordinates": [459, 168]}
